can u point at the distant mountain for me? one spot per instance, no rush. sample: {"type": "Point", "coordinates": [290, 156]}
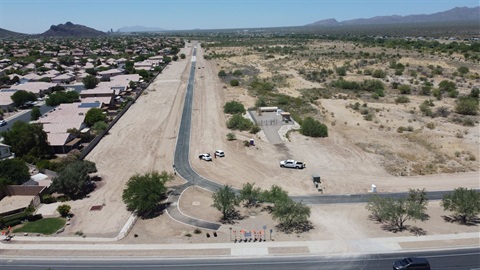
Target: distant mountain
{"type": "Point", "coordinates": [138, 28]}
{"type": "Point", "coordinates": [72, 30]}
{"type": "Point", "coordinates": [455, 14]}
{"type": "Point", "coordinates": [9, 34]}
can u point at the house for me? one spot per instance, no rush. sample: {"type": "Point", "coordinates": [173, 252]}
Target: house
{"type": "Point", "coordinates": [5, 152]}
{"type": "Point", "coordinates": [58, 121]}
{"type": "Point", "coordinates": [15, 199]}
{"type": "Point", "coordinates": [97, 92]}
{"type": "Point", "coordinates": [38, 88]}
{"type": "Point", "coordinates": [110, 73]}
{"type": "Point", "coordinates": [64, 78]}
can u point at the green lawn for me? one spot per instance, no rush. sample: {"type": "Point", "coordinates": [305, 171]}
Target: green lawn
{"type": "Point", "coordinates": [43, 226]}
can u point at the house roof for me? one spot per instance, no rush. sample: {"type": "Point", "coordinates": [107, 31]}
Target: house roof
{"type": "Point", "coordinates": [104, 100]}
{"type": "Point", "coordinates": [98, 90]}
{"type": "Point", "coordinates": [64, 117]}
{"type": "Point", "coordinates": [35, 87]}
{"type": "Point", "coordinates": [111, 71]}
{"type": "Point", "coordinates": [57, 139]}
{"type": "Point", "coordinates": [5, 99]}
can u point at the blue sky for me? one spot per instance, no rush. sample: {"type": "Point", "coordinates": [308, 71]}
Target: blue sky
{"type": "Point", "coordinates": [36, 16]}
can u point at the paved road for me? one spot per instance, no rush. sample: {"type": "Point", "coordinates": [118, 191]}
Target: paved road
{"type": "Point", "coordinates": [451, 260]}
{"type": "Point", "coordinates": [182, 164]}
{"type": "Point", "coordinates": [24, 115]}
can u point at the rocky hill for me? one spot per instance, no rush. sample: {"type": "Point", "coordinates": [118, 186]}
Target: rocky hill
{"type": "Point", "coordinates": [72, 30]}
{"type": "Point", "coordinates": [9, 34]}
{"type": "Point", "coordinates": [455, 14]}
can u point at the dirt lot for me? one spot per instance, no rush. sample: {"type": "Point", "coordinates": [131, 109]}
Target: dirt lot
{"type": "Point", "coordinates": [144, 139]}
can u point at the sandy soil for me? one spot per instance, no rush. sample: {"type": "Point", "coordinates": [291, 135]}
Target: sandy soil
{"type": "Point", "coordinates": [144, 139]}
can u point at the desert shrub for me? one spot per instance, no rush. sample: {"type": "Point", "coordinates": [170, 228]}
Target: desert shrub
{"type": "Point", "coordinates": [222, 73]}
{"type": "Point", "coordinates": [380, 92]}
{"type": "Point", "coordinates": [231, 136]}
{"type": "Point", "coordinates": [341, 71]}
{"type": "Point", "coordinates": [437, 94]}
{"type": "Point", "coordinates": [401, 129]}
{"type": "Point", "coordinates": [426, 90]}
{"type": "Point", "coordinates": [344, 84]}
{"type": "Point", "coordinates": [475, 93]}
{"type": "Point", "coordinates": [442, 111]}
{"type": "Point", "coordinates": [313, 128]}
{"type": "Point", "coordinates": [234, 82]}
{"type": "Point", "coordinates": [463, 70]}
{"type": "Point", "coordinates": [237, 73]}
{"type": "Point", "coordinates": [410, 128]}
{"type": "Point", "coordinates": [261, 102]}
{"type": "Point", "coordinates": [405, 89]}
{"type": "Point", "coordinates": [368, 117]}
{"type": "Point", "coordinates": [466, 106]}
{"type": "Point", "coordinates": [372, 85]}
{"type": "Point", "coordinates": [239, 122]}
{"type": "Point", "coordinates": [468, 122]}
{"type": "Point", "coordinates": [402, 99]}
{"type": "Point", "coordinates": [431, 125]}
{"type": "Point", "coordinates": [197, 231]}
{"type": "Point", "coordinates": [246, 143]}
{"type": "Point", "coordinates": [378, 73]}
{"type": "Point", "coordinates": [255, 129]}
{"type": "Point", "coordinates": [233, 107]}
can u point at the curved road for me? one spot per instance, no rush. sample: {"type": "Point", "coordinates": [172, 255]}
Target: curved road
{"type": "Point", "coordinates": [184, 169]}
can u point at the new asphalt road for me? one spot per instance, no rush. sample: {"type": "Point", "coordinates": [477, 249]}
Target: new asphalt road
{"type": "Point", "coordinates": [468, 259]}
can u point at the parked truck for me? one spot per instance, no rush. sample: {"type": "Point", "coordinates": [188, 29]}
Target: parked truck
{"type": "Point", "coordinates": [290, 163]}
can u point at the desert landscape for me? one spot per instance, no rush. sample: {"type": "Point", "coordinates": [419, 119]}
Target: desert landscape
{"type": "Point", "coordinates": [356, 154]}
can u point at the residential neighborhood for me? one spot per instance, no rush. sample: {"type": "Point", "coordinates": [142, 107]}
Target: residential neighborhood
{"type": "Point", "coordinates": [50, 70]}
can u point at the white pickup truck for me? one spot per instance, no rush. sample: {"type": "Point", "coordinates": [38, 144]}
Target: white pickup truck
{"type": "Point", "coordinates": [290, 163]}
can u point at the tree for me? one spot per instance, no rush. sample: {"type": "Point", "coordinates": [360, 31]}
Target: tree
{"type": "Point", "coordinates": [21, 96]}
{"type": "Point", "coordinates": [396, 212]}
{"type": "Point", "coordinates": [233, 107]}
{"type": "Point", "coordinates": [64, 209]}
{"type": "Point", "coordinates": [250, 194]}
{"type": "Point", "coordinates": [14, 172]}
{"type": "Point", "coordinates": [313, 128]}
{"type": "Point", "coordinates": [90, 81]}
{"type": "Point", "coordinates": [463, 202]}
{"type": "Point", "coordinates": [94, 115]}
{"type": "Point", "coordinates": [225, 200]}
{"type": "Point", "coordinates": [144, 192]}
{"type": "Point", "coordinates": [59, 97]}
{"type": "Point", "coordinates": [275, 194]}
{"type": "Point", "coordinates": [35, 114]}
{"type": "Point", "coordinates": [74, 180]}
{"type": "Point", "coordinates": [466, 106]}
{"type": "Point", "coordinates": [182, 56]}
{"type": "Point", "coordinates": [27, 139]}
{"type": "Point", "coordinates": [175, 58]}
{"type": "Point", "coordinates": [239, 122]}
{"type": "Point", "coordinates": [290, 213]}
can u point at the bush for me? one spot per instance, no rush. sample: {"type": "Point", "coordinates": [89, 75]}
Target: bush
{"type": "Point", "coordinates": [431, 125]}
{"type": "Point", "coordinates": [405, 89]}
{"type": "Point", "coordinates": [341, 71]}
{"type": "Point", "coordinates": [466, 106]}
{"type": "Point", "coordinates": [246, 143]}
{"type": "Point", "coordinates": [255, 129]}
{"type": "Point", "coordinates": [239, 122]}
{"type": "Point", "coordinates": [234, 82]}
{"type": "Point", "coordinates": [402, 99]}
{"type": "Point", "coordinates": [237, 73]}
{"type": "Point", "coordinates": [378, 73]}
{"type": "Point", "coordinates": [222, 73]}
{"type": "Point", "coordinates": [233, 107]}
{"type": "Point", "coordinates": [231, 136]}
{"type": "Point", "coordinates": [313, 128]}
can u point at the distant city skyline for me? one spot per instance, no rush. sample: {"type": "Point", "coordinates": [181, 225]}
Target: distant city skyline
{"type": "Point", "coordinates": [36, 16]}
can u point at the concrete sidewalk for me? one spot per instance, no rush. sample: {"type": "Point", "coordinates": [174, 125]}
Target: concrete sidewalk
{"type": "Point", "coordinates": [329, 247]}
